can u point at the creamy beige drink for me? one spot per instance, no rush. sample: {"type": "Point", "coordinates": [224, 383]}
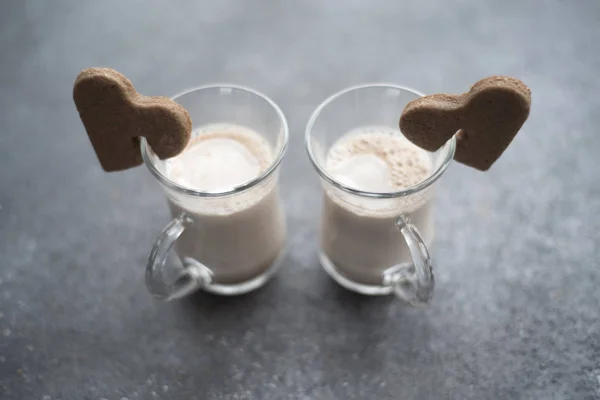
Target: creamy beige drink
{"type": "Point", "coordinates": [238, 237]}
{"type": "Point", "coordinates": [358, 234]}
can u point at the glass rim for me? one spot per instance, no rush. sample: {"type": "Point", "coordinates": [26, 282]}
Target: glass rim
{"type": "Point", "coordinates": [449, 148]}
{"type": "Point", "coordinates": [170, 184]}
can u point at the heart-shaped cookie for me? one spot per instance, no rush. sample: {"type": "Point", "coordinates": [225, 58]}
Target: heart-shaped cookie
{"type": "Point", "coordinates": [115, 116]}
{"type": "Point", "coordinates": [485, 120]}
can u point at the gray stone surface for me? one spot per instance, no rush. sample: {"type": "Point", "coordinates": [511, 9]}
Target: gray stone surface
{"type": "Point", "coordinates": [517, 307]}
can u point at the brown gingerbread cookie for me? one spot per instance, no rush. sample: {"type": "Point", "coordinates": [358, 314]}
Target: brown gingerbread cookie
{"type": "Point", "coordinates": [485, 120]}
{"type": "Point", "coordinates": [115, 116]}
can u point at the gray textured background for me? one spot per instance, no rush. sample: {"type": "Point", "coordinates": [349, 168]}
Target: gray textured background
{"type": "Point", "coordinates": [516, 312]}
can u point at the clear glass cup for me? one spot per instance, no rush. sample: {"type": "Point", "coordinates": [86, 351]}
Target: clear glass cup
{"type": "Point", "coordinates": [237, 249]}
{"type": "Point", "coordinates": [386, 252]}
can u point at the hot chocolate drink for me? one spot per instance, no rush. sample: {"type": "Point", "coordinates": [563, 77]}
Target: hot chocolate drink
{"type": "Point", "coordinates": [358, 234]}
{"type": "Point", "coordinates": [238, 236]}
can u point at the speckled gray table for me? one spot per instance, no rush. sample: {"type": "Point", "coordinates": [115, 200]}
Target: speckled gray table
{"type": "Point", "coordinates": [517, 307]}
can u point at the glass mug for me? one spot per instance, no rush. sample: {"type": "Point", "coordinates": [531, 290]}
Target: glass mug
{"type": "Point", "coordinates": [374, 243]}
{"type": "Point", "coordinates": [229, 242]}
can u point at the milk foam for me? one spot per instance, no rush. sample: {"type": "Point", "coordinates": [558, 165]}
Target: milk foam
{"type": "Point", "coordinates": [380, 160]}
{"type": "Point", "coordinates": [377, 160]}
{"type": "Point", "coordinates": [220, 157]}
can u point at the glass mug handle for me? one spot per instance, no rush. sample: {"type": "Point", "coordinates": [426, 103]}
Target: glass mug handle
{"type": "Point", "coordinates": [192, 277]}
{"type": "Point", "coordinates": [412, 283]}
